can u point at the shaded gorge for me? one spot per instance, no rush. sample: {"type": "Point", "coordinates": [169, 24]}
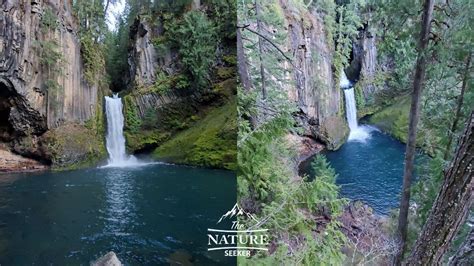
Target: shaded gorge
{"type": "Point", "coordinates": [370, 170]}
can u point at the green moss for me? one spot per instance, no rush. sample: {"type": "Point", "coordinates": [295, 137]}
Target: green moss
{"type": "Point", "coordinates": [334, 132]}
{"type": "Point", "coordinates": [210, 142]}
{"type": "Point", "coordinates": [394, 119]}
{"type": "Point", "coordinates": [226, 72]}
{"type": "Point", "coordinates": [359, 96]}
{"type": "Point", "coordinates": [73, 146]}
{"type": "Point", "coordinates": [225, 88]}
{"type": "Point", "coordinates": [144, 139]}
{"type": "Point", "coordinates": [132, 120]}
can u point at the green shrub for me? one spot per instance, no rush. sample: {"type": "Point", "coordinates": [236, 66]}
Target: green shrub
{"type": "Point", "coordinates": [49, 20]}
{"type": "Point", "coordinates": [150, 119]}
{"type": "Point", "coordinates": [50, 56]}
{"type": "Point", "coordinates": [132, 120]}
{"type": "Point", "coordinates": [196, 40]}
{"type": "Point", "coordinates": [93, 58]}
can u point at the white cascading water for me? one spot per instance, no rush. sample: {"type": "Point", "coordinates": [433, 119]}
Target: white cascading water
{"type": "Point", "coordinates": [357, 133]}
{"type": "Point", "coordinates": [115, 139]}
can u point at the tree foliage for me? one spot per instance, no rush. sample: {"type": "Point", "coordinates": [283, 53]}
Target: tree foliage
{"type": "Point", "coordinates": [267, 184]}
{"type": "Point", "coordinates": [92, 31]}
{"type": "Point", "coordinates": [449, 56]}
{"type": "Point", "coordinates": [196, 39]}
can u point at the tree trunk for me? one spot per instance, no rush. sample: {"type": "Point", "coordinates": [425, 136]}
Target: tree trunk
{"type": "Point", "coordinates": [413, 122]}
{"type": "Point", "coordinates": [451, 207]}
{"type": "Point", "coordinates": [241, 62]}
{"type": "Point", "coordinates": [458, 107]}
{"type": "Point", "coordinates": [260, 49]}
{"type": "Point", "coordinates": [106, 7]}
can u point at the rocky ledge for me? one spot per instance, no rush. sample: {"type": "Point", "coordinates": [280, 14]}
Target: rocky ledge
{"type": "Point", "coordinates": [369, 238]}
{"type": "Point", "coordinates": [10, 162]}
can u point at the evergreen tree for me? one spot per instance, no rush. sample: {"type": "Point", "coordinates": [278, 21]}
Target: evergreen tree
{"type": "Point", "coordinates": [413, 121]}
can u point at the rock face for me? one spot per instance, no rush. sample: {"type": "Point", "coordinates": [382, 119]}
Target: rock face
{"type": "Point", "coordinates": [364, 63]}
{"type": "Point", "coordinates": [20, 69]}
{"type": "Point", "coordinates": [369, 61]}
{"type": "Point", "coordinates": [201, 121]}
{"type": "Point", "coordinates": [109, 259]}
{"type": "Point", "coordinates": [27, 107]}
{"type": "Point", "coordinates": [317, 95]}
{"type": "Point", "coordinates": [143, 58]}
{"type": "Point", "coordinates": [10, 162]}
{"type": "Point", "coordinates": [144, 63]}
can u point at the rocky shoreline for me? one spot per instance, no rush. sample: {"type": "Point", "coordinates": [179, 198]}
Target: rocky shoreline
{"type": "Point", "coordinates": [10, 162]}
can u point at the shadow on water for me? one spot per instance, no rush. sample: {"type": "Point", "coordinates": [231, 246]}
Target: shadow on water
{"type": "Point", "coordinates": [147, 215]}
{"type": "Point", "coordinates": [370, 170]}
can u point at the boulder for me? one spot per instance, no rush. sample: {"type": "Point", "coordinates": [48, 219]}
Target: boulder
{"type": "Point", "coordinates": [109, 259]}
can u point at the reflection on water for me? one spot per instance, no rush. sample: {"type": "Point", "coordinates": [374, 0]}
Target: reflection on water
{"type": "Point", "coordinates": [149, 215]}
{"type": "Point", "coordinates": [120, 209]}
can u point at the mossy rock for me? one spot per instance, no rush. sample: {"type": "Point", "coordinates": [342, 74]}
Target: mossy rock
{"type": "Point", "coordinates": [73, 146]}
{"type": "Point", "coordinates": [210, 142]}
{"type": "Point", "coordinates": [144, 140]}
{"type": "Point", "coordinates": [230, 60]}
{"type": "Point", "coordinates": [334, 132]}
{"type": "Point", "coordinates": [394, 119]}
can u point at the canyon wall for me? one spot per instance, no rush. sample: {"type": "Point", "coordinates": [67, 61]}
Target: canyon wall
{"type": "Point", "coordinates": [29, 104]}
{"type": "Point", "coordinates": [316, 92]}
{"type": "Point", "coordinates": [312, 84]}
{"type": "Point", "coordinates": [201, 121]}
{"type": "Point", "coordinates": [144, 64]}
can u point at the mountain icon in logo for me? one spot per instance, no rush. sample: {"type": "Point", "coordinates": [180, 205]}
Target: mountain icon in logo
{"type": "Point", "coordinates": [235, 212]}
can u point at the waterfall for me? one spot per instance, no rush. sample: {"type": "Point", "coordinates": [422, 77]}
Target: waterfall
{"type": "Point", "coordinates": [351, 109]}
{"type": "Point", "coordinates": [115, 139]}
{"type": "Point", "coordinates": [357, 133]}
{"type": "Point", "coordinates": [344, 83]}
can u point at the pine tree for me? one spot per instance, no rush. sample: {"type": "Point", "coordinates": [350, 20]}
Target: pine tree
{"type": "Point", "coordinates": [413, 121]}
{"type": "Point", "coordinates": [451, 207]}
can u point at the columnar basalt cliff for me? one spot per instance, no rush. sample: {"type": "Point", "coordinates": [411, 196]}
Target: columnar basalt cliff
{"type": "Point", "coordinates": [144, 63]}
{"type": "Point", "coordinates": [316, 94]}
{"type": "Point", "coordinates": [161, 115]}
{"type": "Point", "coordinates": [29, 105]}
{"type": "Point", "coordinates": [368, 55]}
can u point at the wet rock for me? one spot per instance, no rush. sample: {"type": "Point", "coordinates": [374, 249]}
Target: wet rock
{"type": "Point", "coordinates": [109, 259]}
{"type": "Point", "coordinates": [305, 146]}
{"type": "Point", "coordinates": [10, 162]}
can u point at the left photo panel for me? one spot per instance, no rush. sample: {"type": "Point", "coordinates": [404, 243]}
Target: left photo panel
{"type": "Point", "coordinates": [118, 131]}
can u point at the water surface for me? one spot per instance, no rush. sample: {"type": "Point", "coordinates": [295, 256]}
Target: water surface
{"type": "Point", "coordinates": [147, 215]}
{"type": "Point", "coordinates": [370, 170]}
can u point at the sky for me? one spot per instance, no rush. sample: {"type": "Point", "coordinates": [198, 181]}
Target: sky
{"type": "Point", "coordinates": [113, 11]}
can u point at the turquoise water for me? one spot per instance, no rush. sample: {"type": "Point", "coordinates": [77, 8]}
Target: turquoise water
{"type": "Point", "coordinates": [369, 171]}
{"type": "Point", "coordinates": [148, 215]}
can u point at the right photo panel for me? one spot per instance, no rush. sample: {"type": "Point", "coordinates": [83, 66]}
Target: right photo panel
{"type": "Point", "coordinates": [355, 142]}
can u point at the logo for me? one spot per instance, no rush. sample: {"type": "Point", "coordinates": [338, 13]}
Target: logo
{"type": "Point", "coordinates": [236, 239]}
